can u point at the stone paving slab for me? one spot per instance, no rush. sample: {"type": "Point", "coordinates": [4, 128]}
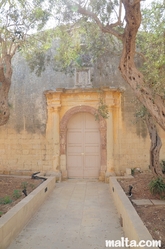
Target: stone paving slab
{"type": "Point", "coordinates": [158, 202]}
{"type": "Point", "coordinates": [148, 202]}
{"type": "Point", "coordinates": [142, 202]}
{"type": "Point", "coordinates": [79, 214]}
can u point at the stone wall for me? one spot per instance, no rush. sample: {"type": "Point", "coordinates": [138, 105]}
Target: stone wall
{"type": "Point", "coordinates": [132, 148]}
{"type": "Point", "coordinates": [23, 153]}
{"type": "Point", "coordinates": [25, 146]}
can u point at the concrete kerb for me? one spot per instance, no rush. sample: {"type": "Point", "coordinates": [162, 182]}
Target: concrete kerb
{"type": "Point", "coordinates": [17, 217]}
{"type": "Point", "coordinates": [133, 227]}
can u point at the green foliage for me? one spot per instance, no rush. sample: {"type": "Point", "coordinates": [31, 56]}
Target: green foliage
{"type": "Point", "coordinates": [133, 171]}
{"type": "Point", "coordinates": [16, 193]}
{"type": "Point", "coordinates": [162, 164]}
{"type": "Point", "coordinates": [66, 10]}
{"type": "Point", "coordinates": [5, 200]}
{"type": "Point", "coordinates": [24, 185]}
{"type": "Point", "coordinates": [18, 19]}
{"type": "Point", "coordinates": [151, 42]}
{"type": "Point", "coordinates": [157, 186]}
{"type": "Point", "coordinates": [102, 110]}
{"type": "Point", "coordinates": [1, 213]}
{"type": "Point", "coordinates": [77, 44]}
{"type": "Point", "coordinates": [150, 39]}
{"type": "Point", "coordinates": [38, 51]}
{"type": "Point", "coordinates": [68, 47]}
{"type": "Point", "coordinates": [141, 111]}
{"type": "Point", "coordinates": [81, 45]}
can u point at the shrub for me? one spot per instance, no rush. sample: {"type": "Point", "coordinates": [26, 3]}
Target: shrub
{"type": "Point", "coordinates": [157, 186]}
{"type": "Point", "coordinates": [16, 194]}
{"type": "Point", "coordinates": [102, 110]}
{"type": "Point", "coordinates": [133, 171]}
{"type": "Point", "coordinates": [24, 185]}
{"type": "Point", "coordinates": [5, 200]}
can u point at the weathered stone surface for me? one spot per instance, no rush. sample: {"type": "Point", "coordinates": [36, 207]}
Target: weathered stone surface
{"type": "Point", "coordinates": [26, 141]}
{"type": "Point", "coordinates": [27, 101]}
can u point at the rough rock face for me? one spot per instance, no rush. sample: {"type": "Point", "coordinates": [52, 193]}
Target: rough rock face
{"type": "Point", "coordinates": [27, 101]}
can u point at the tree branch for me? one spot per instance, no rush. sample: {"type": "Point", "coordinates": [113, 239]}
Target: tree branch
{"type": "Point", "coordinates": [14, 50]}
{"type": "Point", "coordinates": [120, 10]}
{"type": "Point", "coordinates": [106, 29]}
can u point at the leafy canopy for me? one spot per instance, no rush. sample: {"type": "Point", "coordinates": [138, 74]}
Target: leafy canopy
{"type": "Point", "coordinates": [66, 11]}
{"type": "Point", "coordinates": [151, 43]}
{"type": "Point", "coordinates": [18, 19]}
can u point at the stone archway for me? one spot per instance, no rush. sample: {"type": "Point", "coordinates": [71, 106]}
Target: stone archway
{"type": "Point", "coordinates": [63, 136]}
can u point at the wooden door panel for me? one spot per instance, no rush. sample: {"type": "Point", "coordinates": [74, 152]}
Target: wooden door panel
{"type": "Point", "coordinates": [74, 153]}
{"type": "Point", "coordinates": [74, 142]}
{"type": "Point", "coordinates": [74, 137]}
{"type": "Point", "coordinates": [91, 150]}
{"type": "Point", "coordinates": [91, 161]}
{"type": "Point", "coordinates": [75, 162]}
{"type": "Point", "coordinates": [90, 166]}
{"type": "Point", "coordinates": [83, 146]}
{"type": "Point", "coordinates": [92, 137]}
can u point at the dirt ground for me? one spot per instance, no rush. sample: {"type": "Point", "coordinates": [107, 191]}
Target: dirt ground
{"type": "Point", "coordinates": [11, 190]}
{"type": "Point", "coordinates": [152, 216]}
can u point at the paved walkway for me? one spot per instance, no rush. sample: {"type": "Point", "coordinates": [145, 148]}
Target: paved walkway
{"type": "Point", "coordinates": [148, 202]}
{"type": "Point", "coordinates": [79, 214]}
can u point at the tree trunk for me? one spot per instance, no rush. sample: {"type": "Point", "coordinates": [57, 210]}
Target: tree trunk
{"type": "Point", "coordinates": [155, 146]}
{"type": "Point", "coordinates": [154, 104]}
{"type": "Point", "coordinates": [5, 83]}
{"type": "Point", "coordinates": [4, 107]}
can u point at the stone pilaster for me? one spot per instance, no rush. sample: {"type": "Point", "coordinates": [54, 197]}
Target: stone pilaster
{"type": "Point", "coordinates": [109, 99]}
{"type": "Point", "coordinates": [52, 131]}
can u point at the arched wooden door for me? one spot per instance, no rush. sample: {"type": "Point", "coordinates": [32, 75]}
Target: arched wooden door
{"type": "Point", "coordinates": [83, 146]}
